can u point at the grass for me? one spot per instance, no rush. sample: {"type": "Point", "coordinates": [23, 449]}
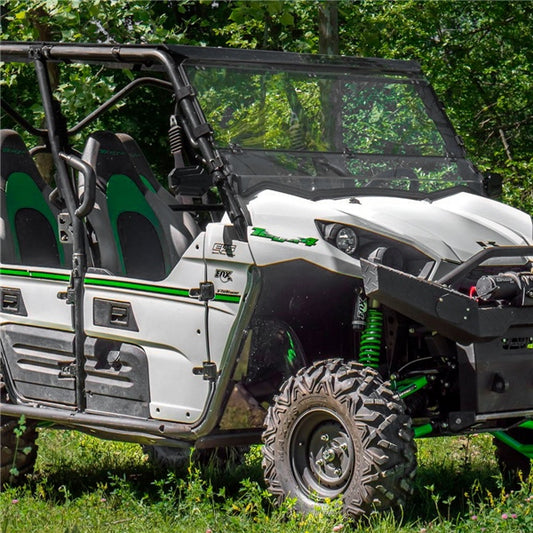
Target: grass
{"type": "Point", "coordinates": [82, 484]}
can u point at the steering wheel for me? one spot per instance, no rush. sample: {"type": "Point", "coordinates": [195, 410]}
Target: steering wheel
{"type": "Point", "coordinates": [395, 173]}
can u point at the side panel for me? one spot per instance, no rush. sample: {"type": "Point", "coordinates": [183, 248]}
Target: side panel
{"type": "Point", "coordinates": [37, 361]}
{"type": "Point", "coordinates": [38, 290]}
{"type": "Point", "coordinates": [36, 333]}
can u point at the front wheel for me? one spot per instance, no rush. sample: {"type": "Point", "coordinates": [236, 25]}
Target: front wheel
{"type": "Point", "coordinates": [336, 430]}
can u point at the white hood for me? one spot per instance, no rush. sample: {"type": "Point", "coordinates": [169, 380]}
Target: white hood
{"type": "Point", "coordinates": [452, 228]}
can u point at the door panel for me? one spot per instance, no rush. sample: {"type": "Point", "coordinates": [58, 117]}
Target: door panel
{"type": "Point", "coordinates": [166, 323]}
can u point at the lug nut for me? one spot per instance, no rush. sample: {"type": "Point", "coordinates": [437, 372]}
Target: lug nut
{"type": "Point", "coordinates": [325, 437]}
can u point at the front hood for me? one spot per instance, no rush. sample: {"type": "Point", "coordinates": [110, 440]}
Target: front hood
{"type": "Point", "coordinates": [452, 228]}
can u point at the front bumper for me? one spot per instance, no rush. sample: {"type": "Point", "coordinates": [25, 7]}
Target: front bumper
{"type": "Point", "coordinates": [494, 343]}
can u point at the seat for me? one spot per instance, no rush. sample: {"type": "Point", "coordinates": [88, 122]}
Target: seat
{"type": "Point", "coordinates": [182, 220]}
{"type": "Point", "coordinates": [138, 234]}
{"type": "Point", "coordinates": [28, 221]}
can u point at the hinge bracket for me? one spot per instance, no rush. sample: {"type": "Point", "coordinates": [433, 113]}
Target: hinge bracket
{"type": "Point", "coordinates": [208, 370]}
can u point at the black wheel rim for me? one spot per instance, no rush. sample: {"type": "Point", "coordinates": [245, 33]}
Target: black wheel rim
{"type": "Point", "coordinates": [322, 454]}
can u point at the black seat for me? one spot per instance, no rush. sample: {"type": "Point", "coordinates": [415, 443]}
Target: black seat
{"type": "Point", "coordinates": [137, 233]}
{"type": "Point", "coordinates": [28, 231]}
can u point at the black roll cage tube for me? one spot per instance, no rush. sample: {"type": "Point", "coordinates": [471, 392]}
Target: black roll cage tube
{"type": "Point", "coordinates": [91, 117]}
{"type": "Point", "coordinates": [462, 270]}
{"type": "Point", "coordinates": [19, 119]}
{"type": "Point", "coordinates": [156, 82]}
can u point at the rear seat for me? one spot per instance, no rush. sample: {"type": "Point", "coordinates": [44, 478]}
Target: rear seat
{"type": "Point", "coordinates": [138, 234]}
{"type": "Point", "coordinates": [28, 221]}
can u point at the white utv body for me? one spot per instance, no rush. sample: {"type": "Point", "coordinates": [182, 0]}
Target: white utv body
{"type": "Point", "coordinates": [326, 272]}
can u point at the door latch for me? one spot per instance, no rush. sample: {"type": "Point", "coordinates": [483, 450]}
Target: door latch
{"type": "Point", "coordinates": [205, 292]}
{"type": "Point", "coordinates": [208, 370]}
{"type": "Point", "coordinates": [12, 302]}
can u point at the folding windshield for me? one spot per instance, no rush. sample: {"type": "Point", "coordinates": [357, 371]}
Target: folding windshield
{"type": "Point", "coordinates": [323, 131]}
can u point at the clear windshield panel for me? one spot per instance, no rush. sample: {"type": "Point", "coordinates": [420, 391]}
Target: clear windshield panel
{"type": "Point", "coordinates": [362, 130]}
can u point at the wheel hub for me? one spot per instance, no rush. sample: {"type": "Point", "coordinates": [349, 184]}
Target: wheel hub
{"type": "Point", "coordinates": [323, 454]}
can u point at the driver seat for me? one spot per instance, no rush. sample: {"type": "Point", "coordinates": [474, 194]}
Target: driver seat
{"type": "Point", "coordinates": [134, 229]}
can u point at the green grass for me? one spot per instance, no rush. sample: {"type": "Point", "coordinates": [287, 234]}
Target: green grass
{"type": "Point", "coordinates": [82, 484]}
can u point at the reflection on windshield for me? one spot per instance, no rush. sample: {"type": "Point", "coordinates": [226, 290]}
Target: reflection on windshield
{"type": "Point", "coordinates": [327, 131]}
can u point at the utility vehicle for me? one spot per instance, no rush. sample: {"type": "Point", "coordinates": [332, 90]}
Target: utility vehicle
{"type": "Point", "coordinates": [325, 272]}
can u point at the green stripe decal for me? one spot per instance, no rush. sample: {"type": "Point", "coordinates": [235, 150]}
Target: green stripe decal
{"type": "Point", "coordinates": [143, 287]}
{"type": "Point", "coordinates": [33, 274]}
{"type": "Point", "coordinates": [227, 298]}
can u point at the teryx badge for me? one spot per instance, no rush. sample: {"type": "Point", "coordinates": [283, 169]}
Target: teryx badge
{"type": "Point", "coordinates": [224, 275]}
{"type": "Point", "coordinates": [261, 232]}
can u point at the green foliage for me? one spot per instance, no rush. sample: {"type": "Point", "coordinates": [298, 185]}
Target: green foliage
{"type": "Point", "coordinates": [19, 430]}
{"type": "Point", "coordinates": [479, 63]}
{"type": "Point", "coordinates": [476, 54]}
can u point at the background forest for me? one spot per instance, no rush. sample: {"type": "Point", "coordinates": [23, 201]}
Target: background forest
{"type": "Point", "coordinates": [477, 54]}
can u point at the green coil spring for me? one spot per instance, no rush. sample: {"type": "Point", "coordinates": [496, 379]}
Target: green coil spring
{"type": "Point", "coordinates": [370, 345]}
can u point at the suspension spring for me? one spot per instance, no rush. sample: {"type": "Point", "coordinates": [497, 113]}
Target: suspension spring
{"type": "Point", "coordinates": [175, 137]}
{"type": "Point", "coordinates": [370, 345]}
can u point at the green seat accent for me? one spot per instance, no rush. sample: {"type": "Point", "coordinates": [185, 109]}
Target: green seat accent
{"type": "Point", "coordinates": [123, 196]}
{"type": "Point", "coordinates": [23, 193]}
{"type": "Point", "coordinates": [147, 183]}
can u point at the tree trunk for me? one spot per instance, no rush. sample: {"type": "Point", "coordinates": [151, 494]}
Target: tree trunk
{"type": "Point", "coordinates": [328, 43]}
{"type": "Point", "coordinates": [328, 27]}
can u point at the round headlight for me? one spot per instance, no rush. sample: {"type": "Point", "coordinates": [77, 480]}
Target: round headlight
{"type": "Point", "coordinates": [346, 240]}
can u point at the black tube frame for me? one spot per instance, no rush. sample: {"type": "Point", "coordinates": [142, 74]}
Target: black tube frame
{"type": "Point", "coordinates": [461, 271]}
{"type": "Point", "coordinates": [75, 293]}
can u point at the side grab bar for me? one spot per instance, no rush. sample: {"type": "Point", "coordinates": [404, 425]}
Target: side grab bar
{"type": "Point", "coordinates": [89, 193]}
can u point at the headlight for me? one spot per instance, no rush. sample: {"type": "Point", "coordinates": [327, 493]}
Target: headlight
{"type": "Point", "coordinates": [359, 242]}
{"type": "Point", "coordinates": [346, 240]}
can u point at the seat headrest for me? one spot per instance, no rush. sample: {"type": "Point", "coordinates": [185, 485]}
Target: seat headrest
{"type": "Point", "coordinates": [16, 158]}
{"type": "Point", "coordinates": [105, 152]}
{"type": "Point", "coordinates": [139, 160]}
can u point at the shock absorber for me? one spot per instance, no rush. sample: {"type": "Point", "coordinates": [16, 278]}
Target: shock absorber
{"type": "Point", "coordinates": [370, 343]}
